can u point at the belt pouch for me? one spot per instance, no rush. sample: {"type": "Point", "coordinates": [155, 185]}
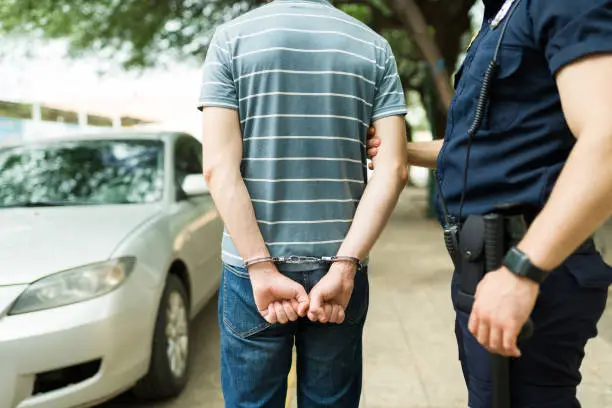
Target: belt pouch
{"type": "Point", "coordinates": [472, 261]}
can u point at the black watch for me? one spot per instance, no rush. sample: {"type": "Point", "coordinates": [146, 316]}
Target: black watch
{"type": "Point", "coordinates": [518, 263]}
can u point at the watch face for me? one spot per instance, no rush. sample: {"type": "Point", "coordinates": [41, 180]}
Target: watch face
{"type": "Point", "coordinates": [519, 264]}
{"type": "Point", "coordinates": [513, 259]}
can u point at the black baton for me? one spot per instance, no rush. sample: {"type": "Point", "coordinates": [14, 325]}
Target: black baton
{"type": "Point", "coordinates": [495, 248]}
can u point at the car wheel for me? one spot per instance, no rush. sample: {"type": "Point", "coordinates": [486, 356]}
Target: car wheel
{"type": "Point", "coordinates": [169, 368]}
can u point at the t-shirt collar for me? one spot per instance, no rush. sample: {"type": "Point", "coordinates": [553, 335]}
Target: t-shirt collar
{"type": "Point", "coordinates": [492, 7]}
{"type": "Point", "coordinates": [326, 2]}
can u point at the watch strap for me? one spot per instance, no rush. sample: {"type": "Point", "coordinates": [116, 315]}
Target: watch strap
{"type": "Point", "coordinates": [518, 263]}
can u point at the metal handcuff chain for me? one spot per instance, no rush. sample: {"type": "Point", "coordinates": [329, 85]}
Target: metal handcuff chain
{"type": "Point", "coordinates": [296, 259]}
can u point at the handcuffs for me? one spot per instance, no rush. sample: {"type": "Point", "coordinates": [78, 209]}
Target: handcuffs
{"type": "Point", "coordinates": [296, 259]}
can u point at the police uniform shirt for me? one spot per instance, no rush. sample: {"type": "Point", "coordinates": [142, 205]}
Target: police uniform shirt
{"type": "Point", "coordinates": [523, 143]}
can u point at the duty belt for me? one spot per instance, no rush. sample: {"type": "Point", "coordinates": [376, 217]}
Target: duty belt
{"type": "Point", "coordinates": [478, 246]}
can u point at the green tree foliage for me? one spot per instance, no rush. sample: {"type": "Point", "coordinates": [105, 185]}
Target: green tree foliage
{"type": "Point", "coordinates": [138, 32]}
{"type": "Point", "coordinates": [143, 33]}
{"type": "Point", "coordinates": [135, 32]}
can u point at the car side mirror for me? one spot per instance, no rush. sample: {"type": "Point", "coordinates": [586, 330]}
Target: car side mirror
{"type": "Point", "coordinates": [195, 185]}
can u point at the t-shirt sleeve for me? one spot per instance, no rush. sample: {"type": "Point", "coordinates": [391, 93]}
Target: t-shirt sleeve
{"type": "Point", "coordinates": [568, 30]}
{"type": "Point", "coordinates": [218, 87]}
{"type": "Point", "coordinates": [389, 99]}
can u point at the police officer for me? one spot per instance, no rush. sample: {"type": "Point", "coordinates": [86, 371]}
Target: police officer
{"type": "Point", "coordinates": [542, 138]}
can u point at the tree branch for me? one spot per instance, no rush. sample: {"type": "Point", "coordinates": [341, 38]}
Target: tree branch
{"type": "Point", "coordinates": [410, 14]}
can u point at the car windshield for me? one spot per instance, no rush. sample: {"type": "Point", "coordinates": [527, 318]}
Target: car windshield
{"type": "Point", "coordinates": [84, 172]}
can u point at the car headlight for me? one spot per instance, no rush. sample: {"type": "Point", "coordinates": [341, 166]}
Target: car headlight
{"type": "Point", "coordinates": [74, 285]}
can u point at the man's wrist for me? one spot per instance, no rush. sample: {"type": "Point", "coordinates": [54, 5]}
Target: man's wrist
{"type": "Point", "coordinates": [256, 254]}
{"type": "Point", "coordinates": [262, 268]}
{"type": "Point", "coordinates": [259, 261]}
{"type": "Point", "coordinates": [344, 268]}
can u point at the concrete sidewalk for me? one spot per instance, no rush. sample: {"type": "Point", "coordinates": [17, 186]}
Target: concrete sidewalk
{"type": "Point", "coordinates": [410, 350]}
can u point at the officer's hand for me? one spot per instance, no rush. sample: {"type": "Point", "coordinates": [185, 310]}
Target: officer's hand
{"type": "Point", "coordinates": [503, 303]}
{"type": "Point", "coordinates": [373, 145]}
{"type": "Point", "coordinates": [330, 297]}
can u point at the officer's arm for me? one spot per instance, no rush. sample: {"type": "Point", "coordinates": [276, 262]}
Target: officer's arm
{"type": "Point", "coordinates": [582, 198]}
{"type": "Point", "coordinates": [424, 154]}
{"type": "Point", "coordinates": [420, 154]}
{"type": "Point", "coordinates": [382, 191]}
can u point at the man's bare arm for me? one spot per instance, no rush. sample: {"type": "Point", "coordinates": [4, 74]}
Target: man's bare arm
{"type": "Point", "coordinates": [221, 156]}
{"type": "Point", "coordinates": [278, 298]}
{"type": "Point", "coordinates": [330, 297]}
{"type": "Point", "coordinates": [582, 198]}
{"type": "Point", "coordinates": [382, 191]}
{"type": "Point", "coordinates": [420, 154]}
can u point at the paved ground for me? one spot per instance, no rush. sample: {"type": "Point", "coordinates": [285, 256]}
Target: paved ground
{"type": "Point", "coordinates": [410, 354]}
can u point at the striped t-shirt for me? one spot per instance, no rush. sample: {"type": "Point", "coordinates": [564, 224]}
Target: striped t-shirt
{"type": "Point", "coordinates": [307, 81]}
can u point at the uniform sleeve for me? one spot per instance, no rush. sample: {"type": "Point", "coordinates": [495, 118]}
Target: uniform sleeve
{"type": "Point", "coordinates": [389, 99]}
{"type": "Point", "coordinates": [568, 30]}
{"type": "Point", "coordinates": [218, 87]}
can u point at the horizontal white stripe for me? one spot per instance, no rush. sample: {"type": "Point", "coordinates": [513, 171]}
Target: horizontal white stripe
{"type": "Point", "coordinates": [302, 15]}
{"type": "Point", "coordinates": [218, 83]}
{"type": "Point", "coordinates": [391, 76]}
{"type": "Point", "coordinates": [295, 30]}
{"type": "Point", "coordinates": [299, 3]}
{"type": "Point", "coordinates": [287, 71]}
{"type": "Point", "coordinates": [389, 93]}
{"type": "Point", "coordinates": [215, 103]}
{"type": "Point", "coordinates": [305, 243]}
{"type": "Point", "coordinates": [229, 254]}
{"type": "Point", "coordinates": [307, 94]}
{"type": "Point", "coordinates": [391, 112]}
{"type": "Point", "coordinates": [304, 222]}
{"type": "Point", "coordinates": [350, 200]}
{"type": "Point", "coordinates": [291, 115]}
{"type": "Point", "coordinates": [302, 159]}
{"type": "Point", "coordinates": [348, 139]}
{"type": "Point", "coordinates": [323, 51]}
{"type": "Point", "coordinates": [335, 241]}
{"type": "Point", "coordinates": [213, 63]}
{"type": "Point", "coordinates": [304, 180]}
{"type": "Point", "coordinates": [216, 46]}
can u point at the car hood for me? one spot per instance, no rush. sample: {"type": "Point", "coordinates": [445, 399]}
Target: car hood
{"type": "Point", "coordinates": [36, 242]}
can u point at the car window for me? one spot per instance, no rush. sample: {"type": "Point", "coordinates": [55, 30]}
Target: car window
{"type": "Point", "coordinates": [187, 158]}
{"type": "Point", "coordinates": [84, 172]}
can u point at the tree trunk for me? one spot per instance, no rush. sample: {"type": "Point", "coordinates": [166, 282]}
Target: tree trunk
{"type": "Point", "coordinates": [410, 14]}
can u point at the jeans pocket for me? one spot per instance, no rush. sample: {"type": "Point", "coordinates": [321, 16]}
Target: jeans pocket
{"type": "Point", "coordinates": [240, 313]}
{"type": "Point", "coordinates": [357, 309]}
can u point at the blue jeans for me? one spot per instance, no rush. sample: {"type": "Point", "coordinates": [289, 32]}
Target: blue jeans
{"type": "Point", "coordinates": [256, 356]}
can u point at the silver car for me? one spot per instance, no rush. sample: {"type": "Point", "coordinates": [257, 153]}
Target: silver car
{"type": "Point", "coordinates": [109, 245]}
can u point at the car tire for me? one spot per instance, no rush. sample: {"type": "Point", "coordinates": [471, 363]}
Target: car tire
{"type": "Point", "coordinates": [169, 367]}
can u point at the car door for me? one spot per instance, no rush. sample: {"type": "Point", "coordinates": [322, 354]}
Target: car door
{"type": "Point", "coordinates": [200, 225]}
